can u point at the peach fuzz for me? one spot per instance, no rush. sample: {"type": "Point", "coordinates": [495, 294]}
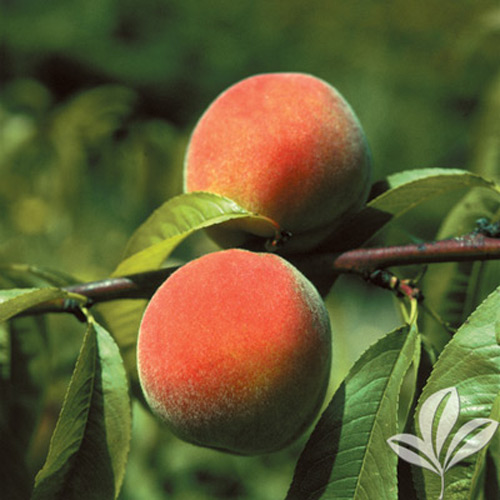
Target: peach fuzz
{"type": "Point", "coordinates": [234, 352]}
{"type": "Point", "coordinates": [284, 145]}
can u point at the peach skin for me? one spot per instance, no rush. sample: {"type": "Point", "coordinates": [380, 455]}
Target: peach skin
{"type": "Point", "coordinates": [234, 352]}
{"type": "Point", "coordinates": [284, 145]}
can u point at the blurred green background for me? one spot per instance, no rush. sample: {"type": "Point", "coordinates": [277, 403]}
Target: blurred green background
{"type": "Point", "coordinates": [97, 101]}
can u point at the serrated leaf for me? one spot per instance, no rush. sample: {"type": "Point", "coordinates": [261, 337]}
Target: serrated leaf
{"type": "Point", "coordinates": [404, 191]}
{"type": "Point", "coordinates": [89, 447]}
{"type": "Point", "coordinates": [174, 221]}
{"type": "Point", "coordinates": [347, 455]}
{"type": "Point", "coordinates": [470, 362]}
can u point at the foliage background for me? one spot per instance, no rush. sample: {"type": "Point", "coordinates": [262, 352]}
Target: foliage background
{"type": "Point", "coordinates": [97, 101]}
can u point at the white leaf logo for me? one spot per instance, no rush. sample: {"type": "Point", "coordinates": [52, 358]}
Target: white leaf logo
{"type": "Point", "coordinates": [426, 452]}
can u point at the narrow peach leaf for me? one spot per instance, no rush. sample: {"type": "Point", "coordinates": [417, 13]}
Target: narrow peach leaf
{"type": "Point", "coordinates": [404, 191]}
{"type": "Point", "coordinates": [347, 455]}
{"type": "Point", "coordinates": [17, 300]}
{"type": "Point", "coordinates": [174, 221]}
{"type": "Point", "coordinates": [89, 447]}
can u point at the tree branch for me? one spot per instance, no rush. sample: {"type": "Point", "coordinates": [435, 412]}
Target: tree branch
{"type": "Point", "coordinates": [474, 246]}
{"type": "Point", "coordinates": [362, 261]}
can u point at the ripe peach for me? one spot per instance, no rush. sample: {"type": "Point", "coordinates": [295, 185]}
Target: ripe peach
{"type": "Point", "coordinates": [286, 146]}
{"type": "Point", "coordinates": [234, 352]}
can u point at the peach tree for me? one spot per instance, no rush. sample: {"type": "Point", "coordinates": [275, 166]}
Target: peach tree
{"type": "Point", "coordinates": [234, 354]}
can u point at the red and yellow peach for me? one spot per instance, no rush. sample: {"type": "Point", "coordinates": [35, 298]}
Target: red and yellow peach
{"type": "Point", "coordinates": [234, 352]}
{"type": "Point", "coordinates": [283, 145]}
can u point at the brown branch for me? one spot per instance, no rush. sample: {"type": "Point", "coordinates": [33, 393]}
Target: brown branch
{"type": "Point", "coordinates": [466, 248]}
{"type": "Point", "coordinates": [363, 261]}
{"type": "Point", "coordinates": [135, 286]}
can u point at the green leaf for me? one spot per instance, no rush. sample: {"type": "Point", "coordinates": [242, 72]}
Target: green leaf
{"type": "Point", "coordinates": [123, 319]}
{"type": "Point", "coordinates": [410, 188]}
{"type": "Point", "coordinates": [456, 176]}
{"type": "Point", "coordinates": [470, 362]}
{"type": "Point", "coordinates": [89, 447]}
{"type": "Point", "coordinates": [116, 404]}
{"type": "Point", "coordinates": [347, 455]}
{"type": "Point", "coordinates": [455, 289]}
{"type": "Point", "coordinates": [15, 301]}
{"type": "Point", "coordinates": [403, 192]}
{"type": "Point", "coordinates": [174, 221]}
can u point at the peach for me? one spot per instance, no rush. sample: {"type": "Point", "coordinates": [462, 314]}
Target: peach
{"type": "Point", "coordinates": [234, 352]}
{"type": "Point", "coordinates": [286, 146]}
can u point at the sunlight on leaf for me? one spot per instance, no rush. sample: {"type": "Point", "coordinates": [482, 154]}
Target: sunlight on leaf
{"type": "Point", "coordinates": [456, 176]}
{"type": "Point", "coordinates": [174, 221]}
